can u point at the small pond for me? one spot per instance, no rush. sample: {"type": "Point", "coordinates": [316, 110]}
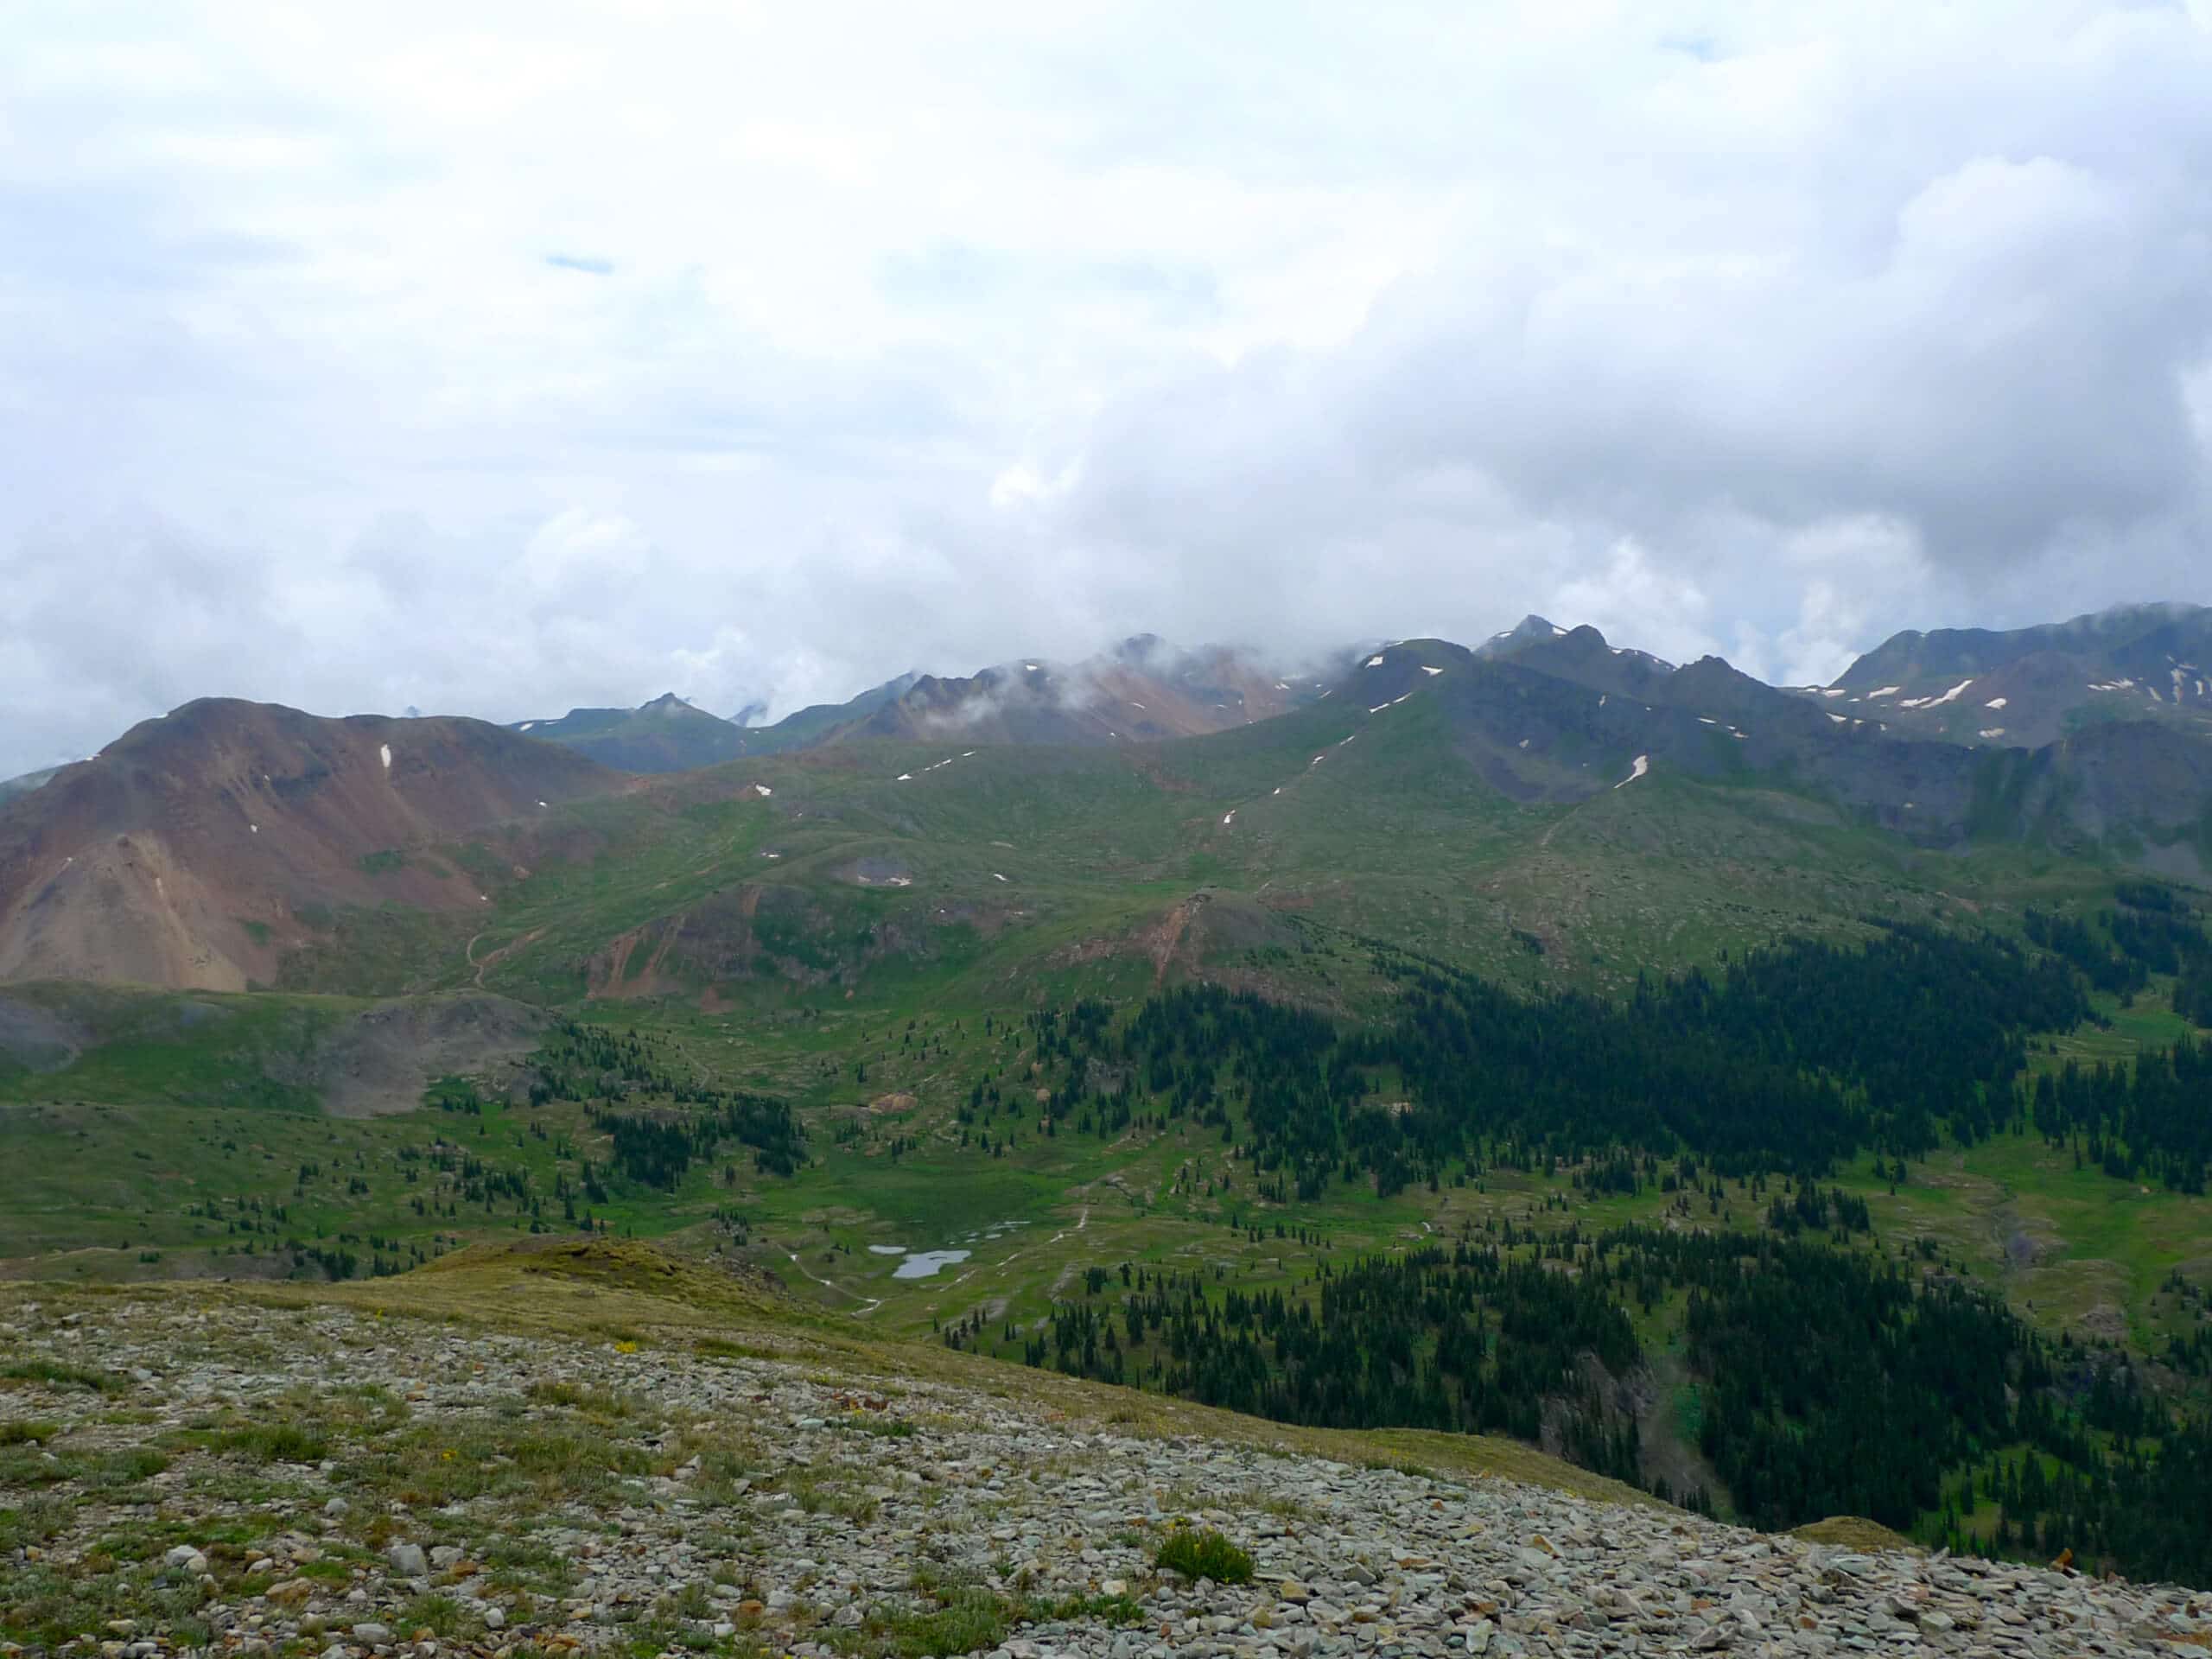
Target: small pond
{"type": "Point", "coordinates": [924, 1264]}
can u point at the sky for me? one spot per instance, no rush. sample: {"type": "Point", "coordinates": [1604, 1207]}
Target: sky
{"type": "Point", "coordinates": [500, 359]}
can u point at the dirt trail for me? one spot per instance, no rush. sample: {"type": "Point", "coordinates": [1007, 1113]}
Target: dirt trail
{"type": "Point", "coordinates": [873, 1302]}
{"type": "Point", "coordinates": [468, 951]}
{"type": "Point", "coordinates": [1559, 823]}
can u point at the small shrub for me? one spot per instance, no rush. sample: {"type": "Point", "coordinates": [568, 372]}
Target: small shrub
{"type": "Point", "coordinates": [129, 1464]}
{"type": "Point", "coordinates": [884, 1428]}
{"type": "Point", "coordinates": [592, 1402]}
{"type": "Point", "coordinates": [37, 1520]}
{"type": "Point", "coordinates": [57, 1376]}
{"type": "Point", "coordinates": [19, 1431]}
{"type": "Point", "coordinates": [823, 1498]}
{"type": "Point", "coordinates": [1204, 1554]}
{"type": "Point", "coordinates": [1122, 1610]}
{"type": "Point", "coordinates": [279, 1443]}
{"type": "Point", "coordinates": [440, 1615]}
{"type": "Point", "coordinates": [692, 1602]}
{"type": "Point", "coordinates": [23, 1469]}
{"type": "Point", "coordinates": [969, 1620]}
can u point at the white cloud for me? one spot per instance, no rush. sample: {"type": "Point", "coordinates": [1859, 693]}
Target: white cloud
{"type": "Point", "coordinates": [1630, 599]}
{"type": "Point", "coordinates": [495, 359]}
{"type": "Point", "coordinates": [577, 548]}
{"type": "Point", "coordinates": [1853, 571]}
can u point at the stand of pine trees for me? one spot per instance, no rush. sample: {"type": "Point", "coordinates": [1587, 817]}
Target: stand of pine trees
{"type": "Point", "coordinates": [655, 1144]}
{"type": "Point", "coordinates": [1795, 1058]}
{"type": "Point", "coordinates": [1834, 1382]}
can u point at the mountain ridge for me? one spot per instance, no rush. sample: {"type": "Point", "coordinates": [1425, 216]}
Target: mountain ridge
{"type": "Point", "coordinates": [175, 858]}
{"type": "Point", "coordinates": [669, 733]}
{"type": "Point", "coordinates": [2025, 687]}
{"type": "Point", "coordinates": [1141, 689]}
{"type": "Point", "coordinates": [179, 854]}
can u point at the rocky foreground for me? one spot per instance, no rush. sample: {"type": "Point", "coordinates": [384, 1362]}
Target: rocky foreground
{"type": "Point", "coordinates": [250, 1480]}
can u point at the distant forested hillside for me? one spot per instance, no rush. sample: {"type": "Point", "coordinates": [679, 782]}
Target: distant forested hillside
{"type": "Point", "coordinates": [1833, 1373]}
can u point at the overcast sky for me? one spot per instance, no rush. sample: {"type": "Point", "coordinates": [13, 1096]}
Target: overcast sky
{"type": "Point", "coordinates": [495, 359]}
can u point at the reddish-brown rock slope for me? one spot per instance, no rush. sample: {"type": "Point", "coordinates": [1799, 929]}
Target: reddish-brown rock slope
{"type": "Point", "coordinates": [182, 853]}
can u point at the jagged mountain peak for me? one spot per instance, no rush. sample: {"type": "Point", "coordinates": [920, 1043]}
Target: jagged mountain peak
{"type": "Point", "coordinates": [1540, 633]}
{"type": "Point", "coordinates": [1528, 631]}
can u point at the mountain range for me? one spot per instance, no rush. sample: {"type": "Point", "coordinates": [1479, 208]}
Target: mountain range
{"type": "Point", "coordinates": [2018, 689]}
{"type": "Point", "coordinates": [1174, 1021]}
{"type": "Point", "coordinates": [232, 843]}
{"type": "Point", "coordinates": [1143, 690]}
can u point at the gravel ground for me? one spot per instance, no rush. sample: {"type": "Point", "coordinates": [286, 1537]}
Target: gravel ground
{"type": "Point", "coordinates": [257, 1481]}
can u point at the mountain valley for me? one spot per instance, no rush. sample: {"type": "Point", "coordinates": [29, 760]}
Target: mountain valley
{"type": "Point", "coordinates": [1531, 1046]}
{"type": "Point", "coordinates": [1106, 832]}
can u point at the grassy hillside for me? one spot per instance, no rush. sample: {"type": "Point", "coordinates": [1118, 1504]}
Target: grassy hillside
{"type": "Point", "coordinates": [886, 869]}
{"type": "Point", "coordinates": [869, 945]}
{"type": "Point", "coordinates": [260, 1187]}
